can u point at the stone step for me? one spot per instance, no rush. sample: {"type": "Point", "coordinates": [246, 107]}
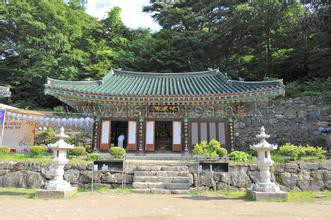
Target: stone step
{"type": "Point", "coordinates": [162, 168]}
{"type": "Point", "coordinates": [160, 185]}
{"type": "Point", "coordinates": [161, 191]}
{"type": "Point", "coordinates": [178, 179]}
{"type": "Point", "coordinates": [162, 173]}
{"type": "Point", "coordinates": [146, 185]}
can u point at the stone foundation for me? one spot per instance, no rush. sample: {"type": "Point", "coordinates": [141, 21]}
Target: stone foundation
{"type": "Point", "coordinates": [290, 176]}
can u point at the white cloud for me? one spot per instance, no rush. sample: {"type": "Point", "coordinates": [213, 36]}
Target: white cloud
{"type": "Point", "coordinates": [132, 15]}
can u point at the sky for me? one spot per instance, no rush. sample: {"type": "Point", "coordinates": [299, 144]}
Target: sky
{"type": "Point", "coordinates": [132, 15]}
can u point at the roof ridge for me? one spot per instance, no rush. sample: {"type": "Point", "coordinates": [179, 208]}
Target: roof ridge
{"type": "Point", "coordinates": [151, 74]}
{"type": "Point", "coordinates": [51, 81]}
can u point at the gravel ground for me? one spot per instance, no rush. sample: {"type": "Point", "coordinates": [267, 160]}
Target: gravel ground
{"type": "Point", "coordinates": [105, 206]}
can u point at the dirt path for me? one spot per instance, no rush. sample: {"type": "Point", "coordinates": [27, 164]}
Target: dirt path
{"type": "Point", "coordinates": [105, 206]}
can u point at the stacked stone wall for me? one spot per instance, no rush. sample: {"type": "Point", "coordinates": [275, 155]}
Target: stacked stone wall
{"type": "Point", "coordinates": [290, 176]}
{"type": "Point", "coordinates": [286, 120]}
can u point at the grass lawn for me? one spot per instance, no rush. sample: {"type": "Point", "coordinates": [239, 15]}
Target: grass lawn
{"type": "Point", "coordinates": [292, 196]}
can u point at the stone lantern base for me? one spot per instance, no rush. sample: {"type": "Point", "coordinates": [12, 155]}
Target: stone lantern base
{"type": "Point", "coordinates": [45, 193]}
{"type": "Point", "coordinates": [258, 196]}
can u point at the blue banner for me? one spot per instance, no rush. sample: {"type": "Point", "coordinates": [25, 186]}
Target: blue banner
{"type": "Point", "coordinates": [2, 117]}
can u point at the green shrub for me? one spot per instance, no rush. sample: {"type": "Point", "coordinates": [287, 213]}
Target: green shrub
{"type": "Point", "coordinates": [222, 152]}
{"type": "Point", "coordinates": [117, 152]}
{"type": "Point", "coordinates": [212, 149]}
{"type": "Point", "coordinates": [313, 151]}
{"type": "Point", "coordinates": [4, 150]}
{"type": "Point", "coordinates": [38, 150]}
{"type": "Point", "coordinates": [93, 156]}
{"type": "Point", "coordinates": [239, 156]}
{"type": "Point", "coordinates": [297, 152]}
{"type": "Point", "coordinates": [77, 151]}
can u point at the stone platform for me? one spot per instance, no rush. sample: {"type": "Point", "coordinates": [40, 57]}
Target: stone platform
{"type": "Point", "coordinates": [260, 196]}
{"type": "Point", "coordinates": [44, 193]}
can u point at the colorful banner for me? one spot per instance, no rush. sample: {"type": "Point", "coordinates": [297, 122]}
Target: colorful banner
{"type": "Point", "coordinates": [2, 117]}
{"type": "Point", "coordinates": [2, 123]}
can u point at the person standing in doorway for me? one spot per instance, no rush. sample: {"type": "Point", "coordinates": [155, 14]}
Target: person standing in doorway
{"type": "Point", "coordinates": [120, 140]}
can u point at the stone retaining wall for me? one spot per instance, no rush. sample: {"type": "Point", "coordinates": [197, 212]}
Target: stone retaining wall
{"type": "Point", "coordinates": [286, 120]}
{"type": "Point", "coordinates": [290, 176]}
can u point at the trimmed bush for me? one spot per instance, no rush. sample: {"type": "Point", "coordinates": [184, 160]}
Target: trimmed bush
{"type": "Point", "coordinates": [77, 151]}
{"type": "Point", "coordinates": [313, 151]}
{"type": "Point", "coordinates": [38, 150]}
{"type": "Point", "coordinates": [93, 156]}
{"type": "Point", "coordinates": [222, 152]}
{"type": "Point", "coordinates": [292, 151]}
{"type": "Point", "coordinates": [239, 156]}
{"type": "Point", "coordinates": [212, 149]}
{"type": "Point", "coordinates": [297, 152]}
{"type": "Point", "coordinates": [4, 150]}
{"type": "Point", "coordinates": [117, 152]}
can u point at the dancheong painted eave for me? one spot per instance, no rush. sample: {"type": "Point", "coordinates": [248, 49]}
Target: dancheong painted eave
{"type": "Point", "coordinates": [128, 84]}
{"type": "Point", "coordinates": [4, 92]}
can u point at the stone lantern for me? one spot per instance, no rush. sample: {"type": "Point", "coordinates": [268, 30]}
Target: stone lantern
{"type": "Point", "coordinates": [58, 187]}
{"type": "Point", "coordinates": [264, 188]}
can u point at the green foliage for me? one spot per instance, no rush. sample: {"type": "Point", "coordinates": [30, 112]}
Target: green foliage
{"type": "Point", "coordinates": [45, 137]}
{"type": "Point", "coordinates": [212, 149]}
{"type": "Point", "coordinates": [117, 152]}
{"type": "Point", "coordinates": [77, 151]}
{"type": "Point", "coordinates": [297, 152]}
{"type": "Point", "coordinates": [93, 156]}
{"type": "Point", "coordinates": [4, 150]}
{"type": "Point", "coordinates": [239, 156]}
{"type": "Point", "coordinates": [38, 150]}
{"type": "Point", "coordinates": [58, 39]}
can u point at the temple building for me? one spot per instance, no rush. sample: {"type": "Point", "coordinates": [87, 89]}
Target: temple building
{"type": "Point", "coordinates": [163, 112]}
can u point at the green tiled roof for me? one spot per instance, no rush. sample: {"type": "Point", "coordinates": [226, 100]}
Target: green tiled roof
{"type": "Point", "coordinates": [4, 92]}
{"type": "Point", "coordinates": [128, 84]}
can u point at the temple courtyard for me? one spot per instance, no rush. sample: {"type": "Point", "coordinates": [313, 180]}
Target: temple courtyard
{"type": "Point", "coordinates": [131, 206]}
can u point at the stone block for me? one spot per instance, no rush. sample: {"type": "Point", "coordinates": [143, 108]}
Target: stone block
{"type": "Point", "coordinates": [291, 167]}
{"type": "Point", "coordinates": [6, 165]}
{"type": "Point", "coordinates": [288, 179]}
{"type": "Point", "coordinates": [309, 166]}
{"type": "Point", "coordinates": [252, 167]}
{"type": "Point", "coordinates": [86, 176]}
{"type": "Point", "coordinates": [22, 179]}
{"type": "Point", "coordinates": [174, 168]}
{"type": "Point", "coordinates": [148, 168]}
{"type": "Point", "coordinates": [325, 166]}
{"type": "Point", "coordinates": [178, 186]}
{"type": "Point", "coordinates": [316, 185]}
{"type": "Point", "coordinates": [260, 196]}
{"type": "Point", "coordinates": [55, 194]}
{"type": "Point", "coordinates": [328, 184]}
{"type": "Point", "coordinates": [327, 175]}
{"type": "Point", "coordinates": [71, 176]}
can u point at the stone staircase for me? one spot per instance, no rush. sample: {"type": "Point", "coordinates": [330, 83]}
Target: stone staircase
{"type": "Point", "coordinates": [162, 179]}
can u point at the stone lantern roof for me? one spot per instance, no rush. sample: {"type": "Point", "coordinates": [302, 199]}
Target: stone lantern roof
{"type": "Point", "coordinates": [61, 144]}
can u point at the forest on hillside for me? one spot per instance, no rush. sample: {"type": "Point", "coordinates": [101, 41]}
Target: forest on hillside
{"type": "Point", "coordinates": [255, 40]}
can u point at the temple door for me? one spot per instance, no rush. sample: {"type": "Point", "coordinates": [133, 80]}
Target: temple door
{"type": "Point", "coordinates": [176, 136]}
{"type": "Point", "coordinates": [132, 136]}
{"type": "Point", "coordinates": [150, 136]}
{"type": "Point", "coordinates": [105, 135]}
